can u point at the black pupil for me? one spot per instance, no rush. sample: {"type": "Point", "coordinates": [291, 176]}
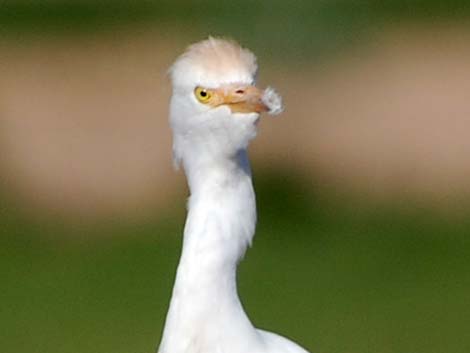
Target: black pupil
{"type": "Point", "coordinates": [203, 93]}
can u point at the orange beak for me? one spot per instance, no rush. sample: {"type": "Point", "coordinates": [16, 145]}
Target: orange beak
{"type": "Point", "coordinates": [240, 99]}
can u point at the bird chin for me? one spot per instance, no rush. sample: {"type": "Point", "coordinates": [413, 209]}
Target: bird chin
{"type": "Point", "coordinates": [247, 117]}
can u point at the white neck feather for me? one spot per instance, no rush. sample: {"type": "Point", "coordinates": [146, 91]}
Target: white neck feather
{"type": "Point", "coordinates": [205, 309]}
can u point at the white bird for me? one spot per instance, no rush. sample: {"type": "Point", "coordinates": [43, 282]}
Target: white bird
{"type": "Point", "coordinates": [214, 111]}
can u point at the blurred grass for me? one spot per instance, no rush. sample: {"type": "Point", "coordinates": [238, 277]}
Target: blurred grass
{"type": "Point", "coordinates": [337, 278]}
{"type": "Point", "coordinates": [298, 29]}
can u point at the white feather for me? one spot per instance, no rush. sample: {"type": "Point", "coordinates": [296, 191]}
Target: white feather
{"type": "Point", "coordinates": [273, 101]}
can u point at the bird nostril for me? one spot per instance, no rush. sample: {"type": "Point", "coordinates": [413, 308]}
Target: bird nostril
{"type": "Point", "coordinates": [239, 91]}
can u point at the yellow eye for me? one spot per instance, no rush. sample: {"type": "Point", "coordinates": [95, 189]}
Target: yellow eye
{"type": "Point", "coordinates": [203, 95]}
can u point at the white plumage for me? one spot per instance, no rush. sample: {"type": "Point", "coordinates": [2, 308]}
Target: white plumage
{"type": "Point", "coordinates": [213, 114]}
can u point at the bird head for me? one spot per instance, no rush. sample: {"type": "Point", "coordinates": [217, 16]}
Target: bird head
{"type": "Point", "coordinates": [215, 104]}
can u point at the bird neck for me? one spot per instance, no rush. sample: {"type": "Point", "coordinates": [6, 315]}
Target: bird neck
{"type": "Point", "coordinates": [219, 227]}
{"type": "Point", "coordinates": [221, 213]}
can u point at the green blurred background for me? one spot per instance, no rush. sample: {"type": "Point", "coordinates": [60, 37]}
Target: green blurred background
{"type": "Point", "coordinates": [363, 184]}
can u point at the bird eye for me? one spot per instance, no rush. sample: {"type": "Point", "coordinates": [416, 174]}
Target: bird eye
{"type": "Point", "coordinates": [202, 94]}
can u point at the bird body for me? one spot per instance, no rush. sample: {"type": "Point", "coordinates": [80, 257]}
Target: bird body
{"type": "Point", "coordinates": [211, 137]}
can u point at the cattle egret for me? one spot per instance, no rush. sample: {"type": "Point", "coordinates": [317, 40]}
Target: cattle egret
{"type": "Point", "coordinates": [214, 111]}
